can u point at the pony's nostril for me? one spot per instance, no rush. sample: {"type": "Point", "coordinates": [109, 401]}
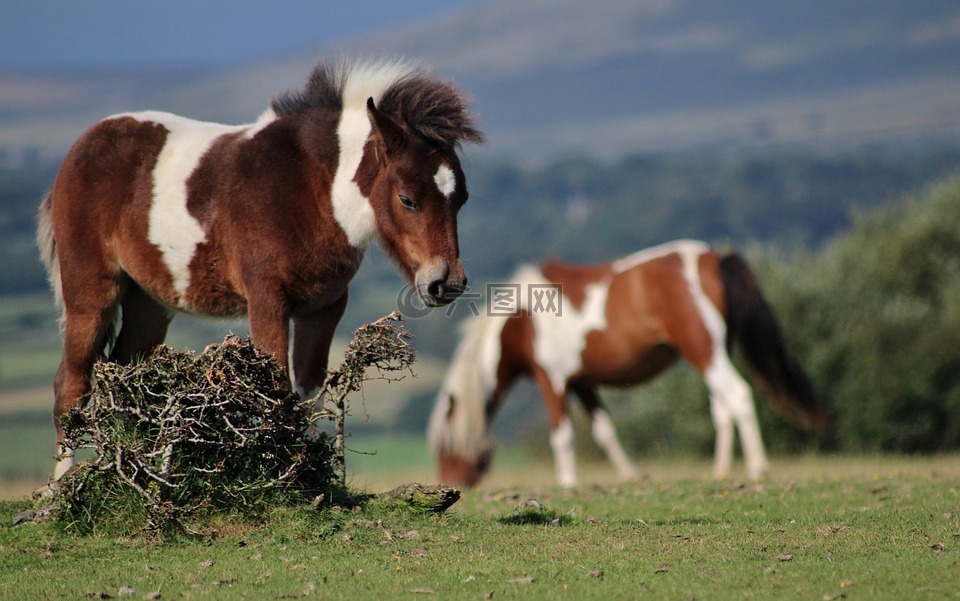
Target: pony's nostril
{"type": "Point", "coordinates": [437, 289]}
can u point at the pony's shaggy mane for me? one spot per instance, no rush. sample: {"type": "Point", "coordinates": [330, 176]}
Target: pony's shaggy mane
{"type": "Point", "coordinates": [402, 90]}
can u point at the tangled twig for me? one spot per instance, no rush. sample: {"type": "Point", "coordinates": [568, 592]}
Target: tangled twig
{"type": "Point", "coordinates": [382, 344]}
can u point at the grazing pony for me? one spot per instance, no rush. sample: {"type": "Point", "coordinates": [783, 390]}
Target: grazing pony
{"type": "Point", "coordinates": [620, 324]}
{"type": "Point", "coordinates": [152, 213]}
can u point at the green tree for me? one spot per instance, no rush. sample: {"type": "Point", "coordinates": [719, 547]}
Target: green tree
{"type": "Point", "coordinates": [876, 316]}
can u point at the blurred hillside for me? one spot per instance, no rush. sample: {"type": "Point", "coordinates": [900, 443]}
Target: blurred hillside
{"type": "Point", "coordinates": [585, 210]}
{"type": "Point", "coordinates": [601, 79]}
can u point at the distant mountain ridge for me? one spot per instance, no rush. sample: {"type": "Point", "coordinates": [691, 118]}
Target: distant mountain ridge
{"type": "Point", "coordinates": [601, 78]}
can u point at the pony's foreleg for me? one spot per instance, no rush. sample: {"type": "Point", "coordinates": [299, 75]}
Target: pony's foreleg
{"type": "Point", "coordinates": [269, 316]}
{"type": "Point", "coordinates": [561, 431]}
{"type": "Point", "coordinates": [733, 391]}
{"type": "Point", "coordinates": [561, 441]}
{"type": "Point", "coordinates": [604, 433]}
{"type": "Point", "coordinates": [312, 336]}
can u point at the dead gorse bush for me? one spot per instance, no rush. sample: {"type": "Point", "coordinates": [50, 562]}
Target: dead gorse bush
{"type": "Point", "coordinates": [179, 435]}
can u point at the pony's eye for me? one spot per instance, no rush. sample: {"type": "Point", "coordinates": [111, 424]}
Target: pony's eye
{"type": "Point", "coordinates": [407, 202]}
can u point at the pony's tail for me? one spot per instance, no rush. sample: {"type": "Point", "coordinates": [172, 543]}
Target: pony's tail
{"type": "Point", "coordinates": [457, 431]}
{"type": "Point", "coordinates": [48, 250]}
{"type": "Point", "coordinates": [750, 320]}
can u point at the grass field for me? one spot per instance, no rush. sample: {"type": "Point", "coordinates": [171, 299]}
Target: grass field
{"type": "Point", "coordinates": [818, 528]}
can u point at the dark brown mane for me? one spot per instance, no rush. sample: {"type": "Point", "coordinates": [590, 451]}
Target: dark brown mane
{"type": "Point", "coordinates": [324, 90]}
{"type": "Point", "coordinates": [432, 108]}
{"type": "Point", "coordinates": [427, 106]}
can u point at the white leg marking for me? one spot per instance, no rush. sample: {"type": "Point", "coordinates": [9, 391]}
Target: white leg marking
{"type": "Point", "coordinates": [561, 441]}
{"type": "Point", "coordinates": [606, 436]}
{"type": "Point", "coordinates": [306, 393]}
{"type": "Point", "coordinates": [446, 180]}
{"type": "Point", "coordinates": [723, 423]}
{"type": "Point", "coordinates": [64, 463]}
{"type": "Point", "coordinates": [734, 392]}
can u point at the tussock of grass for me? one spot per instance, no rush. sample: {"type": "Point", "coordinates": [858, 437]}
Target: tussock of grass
{"type": "Point", "coordinates": [532, 512]}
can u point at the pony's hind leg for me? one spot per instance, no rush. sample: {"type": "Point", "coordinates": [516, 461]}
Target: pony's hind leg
{"type": "Point", "coordinates": [603, 431]}
{"type": "Point", "coordinates": [727, 387]}
{"type": "Point", "coordinates": [88, 317]}
{"type": "Point", "coordinates": [144, 325]}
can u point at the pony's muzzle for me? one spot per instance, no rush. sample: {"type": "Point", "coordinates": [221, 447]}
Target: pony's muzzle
{"type": "Point", "coordinates": [438, 285]}
{"type": "Point", "coordinates": [461, 471]}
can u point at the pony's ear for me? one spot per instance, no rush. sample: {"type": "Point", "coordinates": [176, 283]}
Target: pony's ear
{"type": "Point", "coordinates": [386, 132]}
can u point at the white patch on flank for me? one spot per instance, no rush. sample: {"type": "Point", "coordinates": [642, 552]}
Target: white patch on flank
{"type": "Point", "coordinates": [727, 386]}
{"type": "Point", "coordinates": [171, 227]}
{"type": "Point", "coordinates": [560, 339]}
{"type": "Point", "coordinates": [446, 180]}
{"type": "Point", "coordinates": [351, 208]}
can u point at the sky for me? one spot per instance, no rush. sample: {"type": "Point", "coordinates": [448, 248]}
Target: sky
{"type": "Point", "coordinates": [77, 34]}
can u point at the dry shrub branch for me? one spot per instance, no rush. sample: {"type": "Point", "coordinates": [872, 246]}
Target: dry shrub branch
{"type": "Point", "coordinates": [382, 344]}
{"type": "Point", "coordinates": [179, 435]}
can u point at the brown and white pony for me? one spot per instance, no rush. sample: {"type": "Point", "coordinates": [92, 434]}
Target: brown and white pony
{"type": "Point", "coordinates": [152, 213]}
{"type": "Point", "coordinates": [620, 324]}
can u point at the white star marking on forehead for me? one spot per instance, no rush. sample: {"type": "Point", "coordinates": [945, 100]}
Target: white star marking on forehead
{"type": "Point", "coordinates": [446, 180]}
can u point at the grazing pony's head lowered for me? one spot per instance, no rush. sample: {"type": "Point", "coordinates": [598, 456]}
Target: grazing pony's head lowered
{"type": "Point", "coordinates": [457, 431]}
{"type": "Point", "coordinates": [399, 176]}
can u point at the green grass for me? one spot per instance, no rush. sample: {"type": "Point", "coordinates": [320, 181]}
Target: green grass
{"type": "Point", "coordinates": [872, 528]}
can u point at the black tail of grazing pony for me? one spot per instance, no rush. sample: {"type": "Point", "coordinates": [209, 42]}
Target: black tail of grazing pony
{"type": "Point", "coordinates": [752, 323]}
